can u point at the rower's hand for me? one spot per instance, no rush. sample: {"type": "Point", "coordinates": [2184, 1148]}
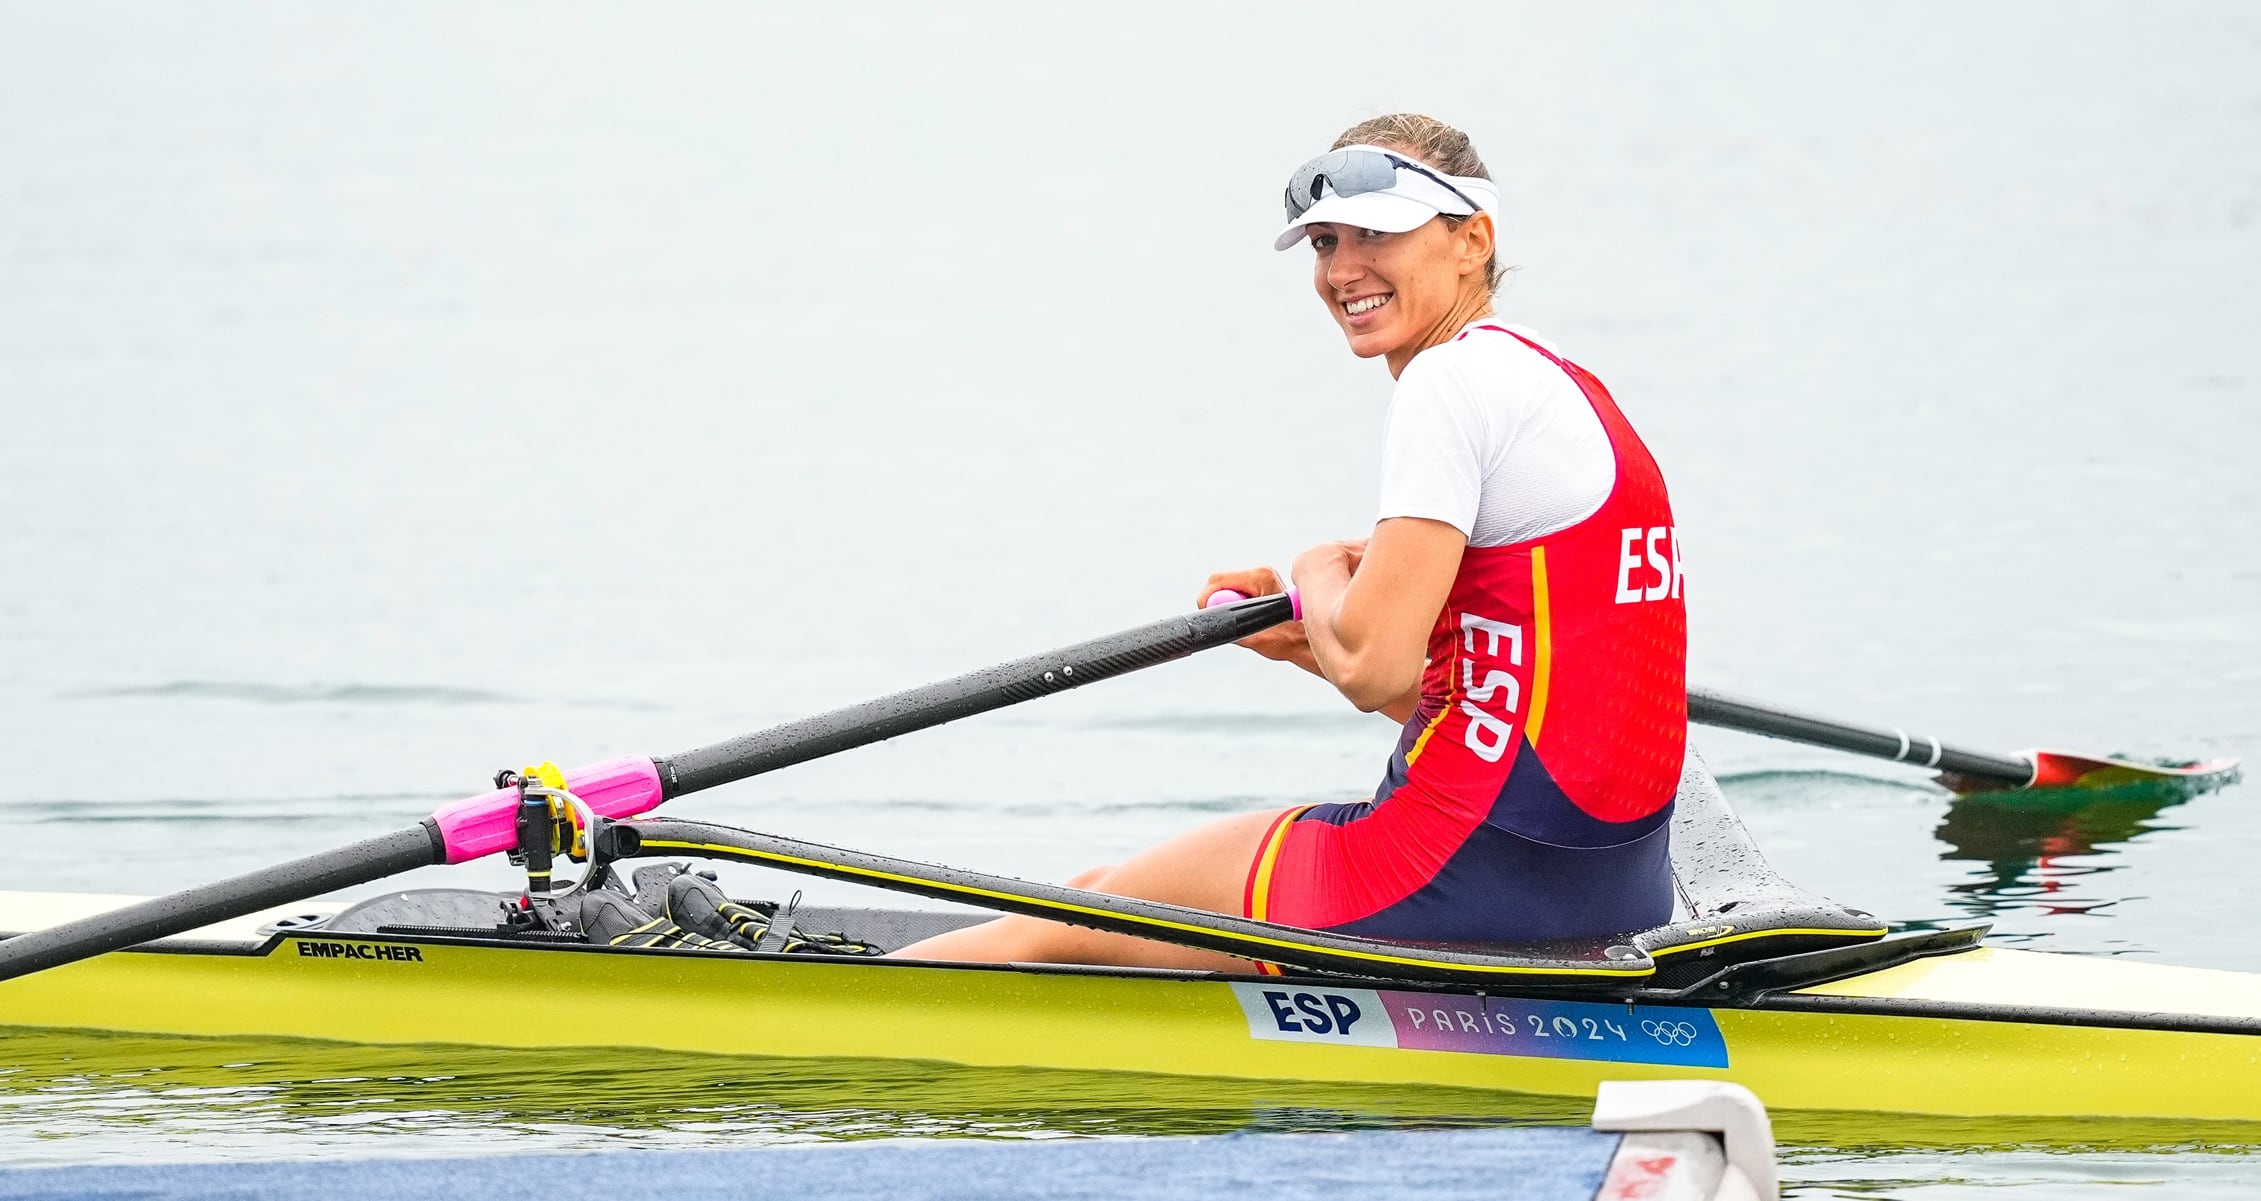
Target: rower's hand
{"type": "Point", "coordinates": [1285, 641]}
{"type": "Point", "coordinates": [1332, 561]}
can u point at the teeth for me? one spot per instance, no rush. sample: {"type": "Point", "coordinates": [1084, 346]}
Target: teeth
{"type": "Point", "coordinates": [1367, 305]}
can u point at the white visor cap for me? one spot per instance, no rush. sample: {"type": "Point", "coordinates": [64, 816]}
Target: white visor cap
{"type": "Point", "coordinates": [1406, 204]}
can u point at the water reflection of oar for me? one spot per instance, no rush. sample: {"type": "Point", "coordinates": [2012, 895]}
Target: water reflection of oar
{"type": "Point", "coordinates": [488, 823]}
{"type": "Point", "coordinates": [2014, 832]}
{"type": "Point", "coordinates": [1965, 771]}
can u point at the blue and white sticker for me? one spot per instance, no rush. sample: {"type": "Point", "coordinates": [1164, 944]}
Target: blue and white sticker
{"type": "Point", "coordinates": [1353, 1017]}
{"type": "Point", "coordinates": [1416, 1021]}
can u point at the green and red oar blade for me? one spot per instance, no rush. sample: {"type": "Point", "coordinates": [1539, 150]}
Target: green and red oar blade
{"type": "Point", "coordinates": [1960, 769]}
{"type": "Point", "coordinates": [2064, 769]}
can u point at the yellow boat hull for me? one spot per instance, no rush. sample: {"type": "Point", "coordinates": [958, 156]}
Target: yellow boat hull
{"type": "Point", "coordinates": [1798, 1058]}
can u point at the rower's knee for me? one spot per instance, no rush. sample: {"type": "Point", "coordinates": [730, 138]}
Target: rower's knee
{"type": "Point", "coordinates": [1091, 878]}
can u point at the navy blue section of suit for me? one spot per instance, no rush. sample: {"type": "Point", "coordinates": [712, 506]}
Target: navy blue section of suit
{"type": "Point", "coordinates": [1538, 867]}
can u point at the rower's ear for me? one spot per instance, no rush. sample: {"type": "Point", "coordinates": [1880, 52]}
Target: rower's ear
{"type": "Point", "coordinates": [1477, 239]}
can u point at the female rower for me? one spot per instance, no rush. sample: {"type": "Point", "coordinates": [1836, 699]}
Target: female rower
{"type": "Point", "coordinates": [1518, 607]}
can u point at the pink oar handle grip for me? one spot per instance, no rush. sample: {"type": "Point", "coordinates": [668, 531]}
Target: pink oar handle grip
{"type": "Point", "coordinates": [1226, 596]}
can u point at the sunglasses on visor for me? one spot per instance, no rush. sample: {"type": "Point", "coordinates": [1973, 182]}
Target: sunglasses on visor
{"type": "Point", "coordinates": [1353, 173]}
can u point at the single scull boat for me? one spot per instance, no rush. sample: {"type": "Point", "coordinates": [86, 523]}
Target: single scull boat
{"type": "Point", "coordinates": [1808, 1004]}
{"type": "Point", "coordinates": [1812, 1005]}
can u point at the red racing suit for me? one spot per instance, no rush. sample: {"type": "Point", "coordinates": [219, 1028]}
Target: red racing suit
{"type": "Point", "coordinates": [1530, 796]}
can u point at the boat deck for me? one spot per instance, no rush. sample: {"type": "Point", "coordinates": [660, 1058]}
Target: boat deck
{"type": "Point", "coordinates": [2008, 978]}
{"type": "Point", "coordinates": [1986, 978]}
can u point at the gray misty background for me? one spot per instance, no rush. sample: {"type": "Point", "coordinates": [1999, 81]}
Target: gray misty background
{"type": "Point", "coordinates": [389, 394]}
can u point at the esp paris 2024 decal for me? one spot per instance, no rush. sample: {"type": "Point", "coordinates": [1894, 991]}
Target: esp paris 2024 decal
{"type": "Point", "coordinates": [1416, 1021]}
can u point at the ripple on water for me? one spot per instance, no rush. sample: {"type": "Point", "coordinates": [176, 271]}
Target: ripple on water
{"type": "Point", "coordinates": [68, 1097]}
{"type": "Point", "coordinates": [79, 1097]}
{"type": "Point", "coordinates": [268, 693]}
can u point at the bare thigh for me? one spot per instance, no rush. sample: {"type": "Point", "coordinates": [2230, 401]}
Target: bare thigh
{"type": "Point", "coordinates": [1203, 868]}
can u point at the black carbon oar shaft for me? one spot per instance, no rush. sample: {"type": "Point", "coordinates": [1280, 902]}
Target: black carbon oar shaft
{"type": "Point", "coordinates": [969, 694]}
{"type": "Point", "coordinates": [161, 917]}
{"type": "Point", "coordinates": [768, 750]}
{"type": "Point", "coordinates": [1714, 709]}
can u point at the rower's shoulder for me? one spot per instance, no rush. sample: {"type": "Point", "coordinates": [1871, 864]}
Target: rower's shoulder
{"type": "Point", "coordinates": [1491, 357]}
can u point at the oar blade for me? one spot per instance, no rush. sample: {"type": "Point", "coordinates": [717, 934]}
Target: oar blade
{"type": "Point", "coordinates": [2093, 773]}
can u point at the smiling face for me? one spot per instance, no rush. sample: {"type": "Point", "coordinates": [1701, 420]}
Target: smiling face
{"type": "Point", "coordinates": [1396, 295]}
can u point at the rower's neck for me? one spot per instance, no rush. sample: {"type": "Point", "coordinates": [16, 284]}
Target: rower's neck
{"type": "Point", "coordinates": [1474, 307]}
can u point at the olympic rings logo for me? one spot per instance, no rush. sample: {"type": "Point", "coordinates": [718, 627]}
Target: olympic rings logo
{"type": "Point", "coordinates": [1671, 1034]}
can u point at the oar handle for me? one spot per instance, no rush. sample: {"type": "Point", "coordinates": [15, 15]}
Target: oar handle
{"type": "Point", "coordinates": [1226, 596]}
{"type": "Point", "coordinates": [1715, 709]}
{"type": "Point", "coordinates": [975, 692]}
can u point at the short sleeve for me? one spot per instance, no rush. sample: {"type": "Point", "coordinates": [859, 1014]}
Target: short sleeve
{"type": "Point", "coordinates": [1436, 445]}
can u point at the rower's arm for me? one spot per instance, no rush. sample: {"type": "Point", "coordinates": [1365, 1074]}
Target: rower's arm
{"type": "Point", "coordinates": [1399, 710]}
{"type": "Point", "coordinates": [1368, 608]}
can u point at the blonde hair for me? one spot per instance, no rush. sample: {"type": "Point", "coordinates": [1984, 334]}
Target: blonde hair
{"type": "Point", "coordinates": [1435, 145]}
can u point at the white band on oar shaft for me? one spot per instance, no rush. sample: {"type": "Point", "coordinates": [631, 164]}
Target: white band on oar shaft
{"type": "Point", "coordinates": [1906, 745]}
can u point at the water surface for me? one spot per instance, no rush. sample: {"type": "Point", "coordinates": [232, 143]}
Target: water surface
{"type": "Point", "coordinates": [395, 395]}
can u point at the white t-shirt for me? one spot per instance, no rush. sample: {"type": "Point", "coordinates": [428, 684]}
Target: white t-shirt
{"type": "Point", "coordinates": [1488, 436]}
